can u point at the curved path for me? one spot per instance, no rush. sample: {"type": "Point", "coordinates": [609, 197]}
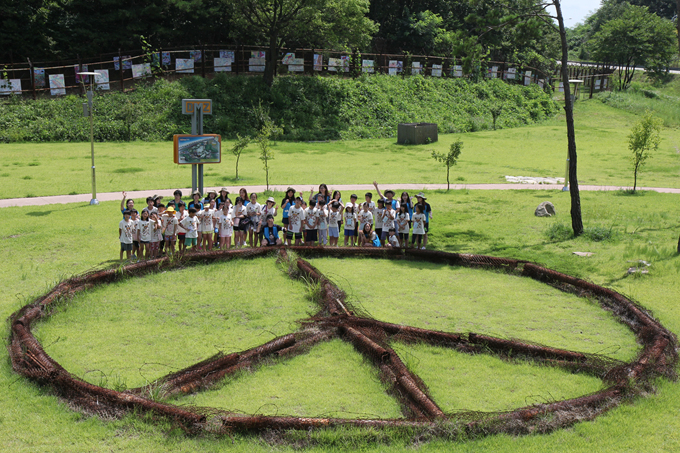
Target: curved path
{"type": "Point", "coordinates": [167, 193]}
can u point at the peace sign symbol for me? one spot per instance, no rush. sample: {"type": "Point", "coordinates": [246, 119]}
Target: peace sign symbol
{"type": "Point", "coordinates": [337, 319]}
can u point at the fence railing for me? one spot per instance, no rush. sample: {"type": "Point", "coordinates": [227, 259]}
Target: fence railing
{"type": "Point", "coordinates": [122, 70]}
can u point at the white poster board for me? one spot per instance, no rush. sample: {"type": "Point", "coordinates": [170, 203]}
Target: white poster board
{"type": "Point", "coordinates": [368, 66]}
{"type": "Point", "coordinates": [184, 65]}
{"type": "Point", "coordinates": [527, 78]}
{"type": "Point", "coordinates": [222, 64]}
{"type": "Point", "coordinates": [457, 71]}
{"type": "Point", "coordinates": [10, 86]}
{"type": "Point", "coordinates": [436, 70]}
{"type": "Point", "coordinates": [141, 70]}
{"type": "Point", "coordinates": [416, 68]}
{"type": "Point", "coordinates": [510, 74]}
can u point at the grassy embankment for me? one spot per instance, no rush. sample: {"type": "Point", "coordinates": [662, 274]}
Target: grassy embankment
{"type": "Point", "coordinates": [29, 169]}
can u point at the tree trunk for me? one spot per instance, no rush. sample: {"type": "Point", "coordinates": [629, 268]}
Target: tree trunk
{"type": "Point", "coordinates": [448, 184]}
{"type": "Point", "coordinates": [576, 220]}
{"type": "Point", "coordinates": [677, 24]}
{"type": "Point", "coordinates": [237, 159]}
{"type": "Point", "coordinates": [271, 59]}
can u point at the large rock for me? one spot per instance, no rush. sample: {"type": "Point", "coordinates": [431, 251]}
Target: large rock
{"type": "Point", "coordinates": [545, 209]}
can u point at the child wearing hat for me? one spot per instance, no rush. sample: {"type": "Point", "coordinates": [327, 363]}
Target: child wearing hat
{"type": "Point", "coordinates": [269, 209]}
{"type": "Point", "coordinates": [418, 226]}
{"type": "Point", "coordinates": [196, 201]}
{"type": "Point", "coordinates": [427, 211]}
{"type": "Point", "coordinates": [169, 225]}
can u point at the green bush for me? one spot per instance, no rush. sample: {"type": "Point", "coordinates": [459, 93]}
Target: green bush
{"type": "Point", "coordinates": [308, 108]}
{"type": "Point", "coordinates": [559, 231]}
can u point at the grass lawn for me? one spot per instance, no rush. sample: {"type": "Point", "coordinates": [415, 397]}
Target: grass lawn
{"type": "Point", "coordinates": [232, 306]}
{"type": "Point", "coordinates": [29, 169]}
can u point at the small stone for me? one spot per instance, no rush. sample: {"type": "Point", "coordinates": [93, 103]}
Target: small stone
{"type": "Point", "coordinates": [583, 253]}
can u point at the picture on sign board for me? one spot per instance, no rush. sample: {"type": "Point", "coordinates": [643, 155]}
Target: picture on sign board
{"type": "Point", "coordinates": [416, 68]}
{"type": "Point", "coordinates": [318, 62]}
{"type": "Point", "coordinates": [39, 77]}
{"type": "Point", "coordinates": [10, 86]}
{"type": "Point", "coordinates": [198, 149]}
{"type": "Point", "coordinates": [101, 80]}
{"type": "Point", "coordinates": [57, 85]}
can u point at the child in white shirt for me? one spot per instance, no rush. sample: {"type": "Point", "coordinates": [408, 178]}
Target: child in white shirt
{"type": "Point", "coordinates": [418, 226]}
{"type": "Point", "coordinates": [334, 219]}
{"type": "Point", "coordinates": [169, 223]}
{"type": "Point", "coordinates": [254, 211]}
{"type": "Point", "coordinates": [394, 240]}
{"type": "Point", "coordinates": [402, 224]}
{"type": "Point", "coordinates": [156, 235]}
{"type": "Point", "coordinates": [125, 234]}
{"type": "Point", "coordinates": [365, 216]}
{"type": "Point", "coordinates": [378, 219]}
{"type": "Point", "coordinates": [225, 225]}
{"type": "Point", "coordinates": [207, 226]}
{"type": "Point", "coordinates": [322, 225]}
{"type": "Point", "coordinates": [181, 214]}
{"type": "Point", "coordinates": [191, 226]}
{"type": "Point", "coordinates": [296, 215]}
{"type": "Point", "coordinates": [350, 219]}
{"type": "Point", "coordinates": [144, 231]}
{"type": "Point", "coordinates": [311, 224]}
{"type": "Point", "coordinates": [388, 217]}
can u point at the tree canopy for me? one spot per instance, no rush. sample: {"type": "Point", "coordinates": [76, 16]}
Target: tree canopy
{"type": "Point", "coordinates": [636, 38]}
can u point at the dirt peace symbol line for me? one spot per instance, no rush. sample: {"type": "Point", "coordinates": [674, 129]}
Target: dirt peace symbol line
{"type": "Point", "coordinates": [337, 319]}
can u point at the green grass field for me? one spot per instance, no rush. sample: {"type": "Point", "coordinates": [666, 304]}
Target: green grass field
{"type": "Point", "coordinates": [160, 332]}
{"type": "Point", "coordinates": [39, 169]}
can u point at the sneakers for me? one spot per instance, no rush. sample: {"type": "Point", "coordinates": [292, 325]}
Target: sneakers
{"type": "Point", "coordinates": [422, 248]}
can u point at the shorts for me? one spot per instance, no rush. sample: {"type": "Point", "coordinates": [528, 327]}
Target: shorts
{"type": "Point", "coordinates": [427, 227]}
{"type": "Point", "coordinates": [311, 235]}
{"type": "Point", "coordinates": [270, 244]}
{"type": "Point", "coordinates": [285, 220]}
{"type": "Point", "coordinates": [153, 246]}
{"type": "Point", "coordinates": [181, 236]}
{"type": "Point", "coordinates": [225, 236]}
{"type": "Point", "coordinates": [333, 232]}
{"type": "Point", "coordinates": [125, 247]}
{"type": "Point", "coordinates": [349, 233]}
{"type": "Point", "coordinates": [135, 244]}
{"type": "Point", "coordinates": [378, 232]}
{"type": "Point", "coordinates": [170, 239]}
{"type": "Point", "coordinates": [143, 242]}
{"type": "Point", "coordinates": [190, 241]}
{"type": "Point", "coordinates": [289, 235]}
{"type": "Point", "coordinates": [206, 231]}
{"type": "Point", "coordinates": [384, 234]}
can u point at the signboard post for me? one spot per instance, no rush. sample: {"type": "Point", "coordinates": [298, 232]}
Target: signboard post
{"type": "Point", "coordinates": [197, 108]}
{"type": "Point", "coordinates": [88, 110]}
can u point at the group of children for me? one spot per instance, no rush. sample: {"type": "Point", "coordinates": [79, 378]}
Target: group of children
{"type": "Point", "coordinates": [204, 224]}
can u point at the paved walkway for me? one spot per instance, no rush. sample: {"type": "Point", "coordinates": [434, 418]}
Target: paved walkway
{"type": "Point", "coordinates": [345, 188]}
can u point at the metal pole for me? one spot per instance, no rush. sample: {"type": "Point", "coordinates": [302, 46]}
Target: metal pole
{"type": "Point", "coordinates": [194, 129]}
{"type": "Point", "coordinates": [90, 95]}
{"type": "Point", "coordinates": [200, 132]}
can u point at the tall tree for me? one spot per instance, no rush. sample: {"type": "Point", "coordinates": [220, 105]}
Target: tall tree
{"type": "Point", "coordinates": [636, 38]}
{"type": "Point", "coordinates": [511, 13]}
{"type": "Point", "coordinates": [338, 22]}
